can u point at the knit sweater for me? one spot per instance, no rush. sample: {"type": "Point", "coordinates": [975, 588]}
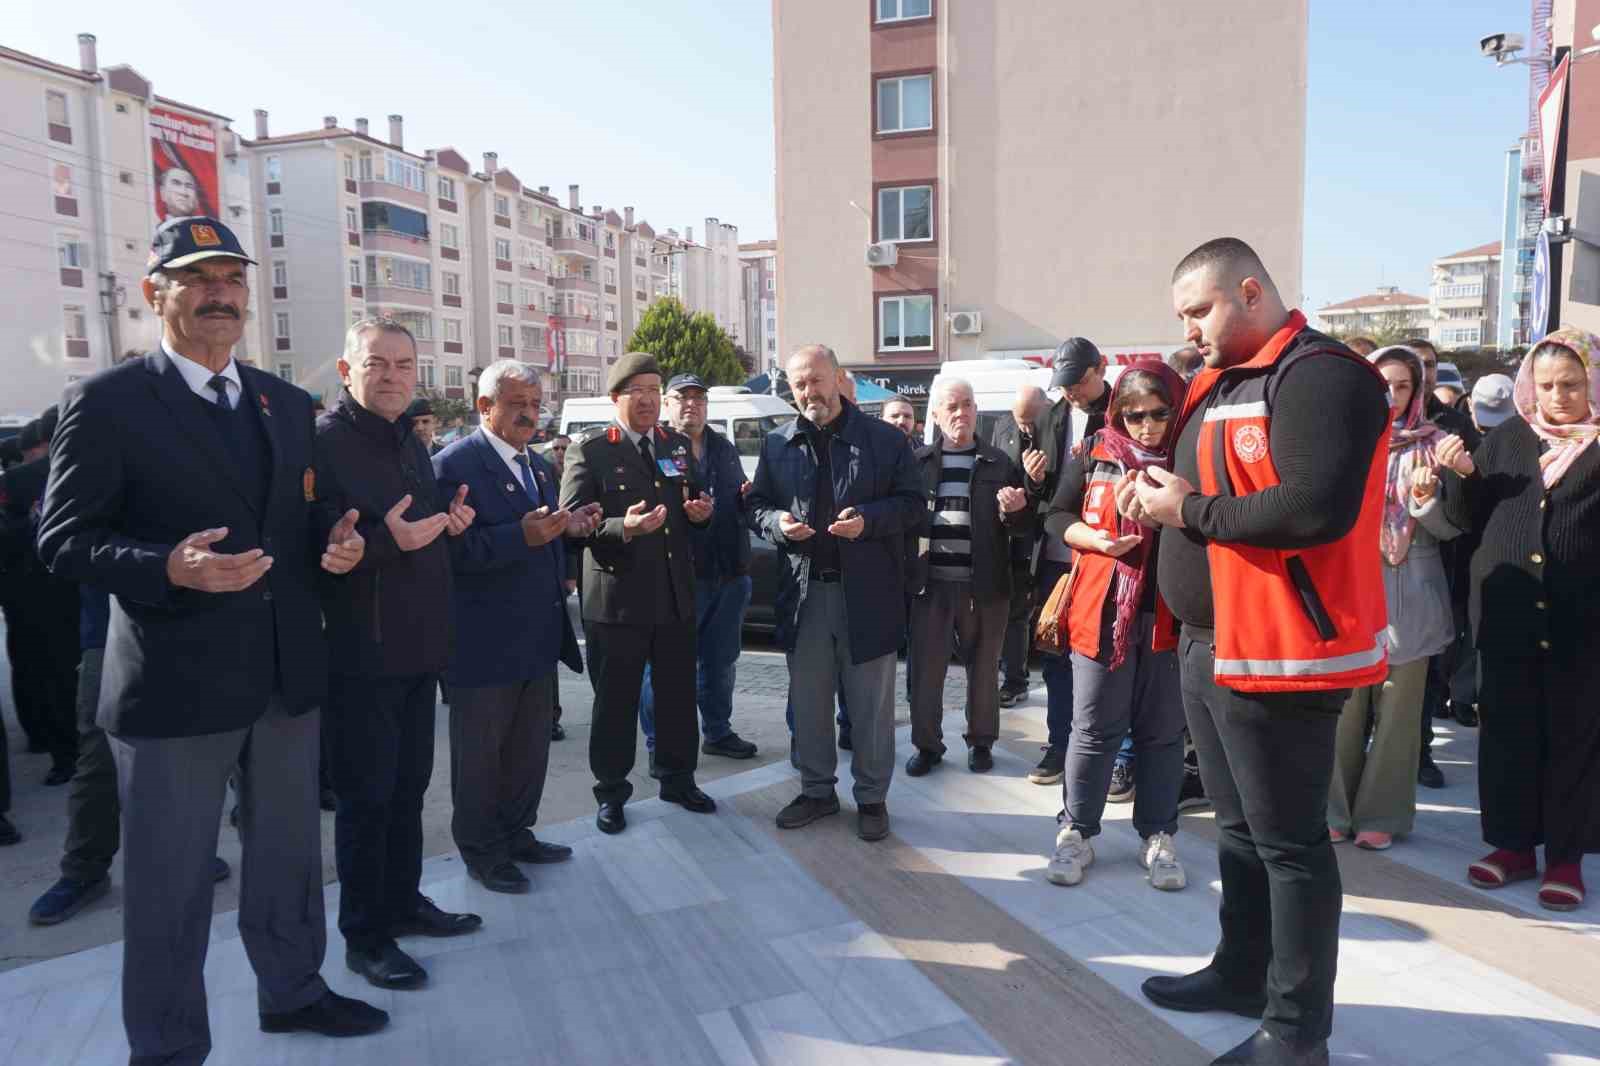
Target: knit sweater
{"type": "Point", "coordinates": [1536, 574]}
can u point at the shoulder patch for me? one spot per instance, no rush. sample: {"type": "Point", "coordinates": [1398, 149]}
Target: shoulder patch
{"type": "Point", "coordinates": [1250, 443]}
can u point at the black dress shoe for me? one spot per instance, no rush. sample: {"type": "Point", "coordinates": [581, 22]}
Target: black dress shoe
{"type": "Point", "coordinates": [386, 966]}
{"type": "Point", "coordinates": [558, 732]}
{"type": "Point", "coordinates": [529, 848]}
{"type": "Point", "coordinates": [923, 761]}
{"type": "Point", "coordinates": [1428, 773]}
{"type": "Point", "coordinates": [332, 1015]}
{"type": "Point", "coordinates": [502, 877]}
{"type": "Point", "coordinates": [429, 920]}
{"type": "Point", "coordinates": [327, 800]}
{"type": "Point", "coordinates": [220, 870]}
{"type": "Point", "coordinates": [610, 818]}
{"type": "Point", "coordinates": [1465, 714]}
{"type": "Point", "coordinates": [59, 774]}
{"type": "Point", "coordinates": [690, 798]}
{"type": "Point", "coordinates": [1264, 1049]}
{"type": "Point", "coordinates": [1201, 991]}
{"type": "Point", "coordinates": [846, 739]}
{"type": "Point", "coordinates": [8, 833]}
{"type": "Point", "coordinates": [732, 746]}
{"type": "Point", "coordinates": [980, 760]}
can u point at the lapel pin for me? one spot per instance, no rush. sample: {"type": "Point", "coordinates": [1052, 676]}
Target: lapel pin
{"type": "Point", "coordinates": [510, 487]}
{"type": "Point", "coordinates": [265, 409]}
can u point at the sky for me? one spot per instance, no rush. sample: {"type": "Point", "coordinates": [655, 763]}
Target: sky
{"type": "Point", "coordinates": [667, 104]}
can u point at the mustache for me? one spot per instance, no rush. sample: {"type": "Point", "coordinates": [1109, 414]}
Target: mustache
{"type": "Point", "coordinates": [211, 309]}
{"type": "Point", "coordinates": [525, 422]}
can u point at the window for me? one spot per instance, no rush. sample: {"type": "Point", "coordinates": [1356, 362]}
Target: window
{"type": "Point", "coordinates": [399, 273]}
{"type": "Point", "coordinates": [581, 343]}
{"type": "Point", "coordinates": [61, 184]}
{"type": "Point", "coordinates": [425, 377]}
{"type": "Point", "coordinates": [502, 249]}
{"type": "Point", "coordinates": [274, 168]}
{"type": "Point", "coordinates": [407, 173]}
{"type": "Point", "coordinates": [71, 252]}
{"type": "Point", "coordinates": [529, 256]}
{"type": "Point", "coordinates": [502, 206]}
{"type": "Point", "coordinates": [905, 323]}
{"type": "Point", "coordinates": [502, 292]}
{"type": "Point", "coordinates": [452, 377]}
{"type": "Point", "coordinates": [449, 236]}
{"type": "Point", "coordinates": [280, 325]}
{"type": "Point", "coordinates": [611, 314]}
{"type": "Point", "coordinates": [611, 277]}
{"type": "Point", "coordinates": [749, 433]}
{"type": "Point", "coordinates": [1460, 291]}
{"type": "Point", "coordinates": [366, 166]}
{"type": "Point", "coordinates": [585, 231]}
{"type": "Point", "coordinates": [420, 323]}
{"type": "Point", "coordinates": [447, 188]}
{"type": "Point", "coordinates": [450, 283]}
{"type": "Point", "coordinates": [280, 273]}
{"type": "Point", "coordinates": [393, 218]}
{"type": "Point", "coordinates": [352, 221]}
{"type": "Point", "coordinates": [286, 372]}
{"type": "Point", "coordinates": [772, 324]}
{"type": "Point", "coordinates": [772, 284]}
{"type": "Point", "coordinates": [506, 336]}
{"type": "Point", "coordinates": [452, 330]}
{"type": "Point", "coordinates": [772, 344]}
{"type": "Point", "coordinates": [525, 296]}
{"type": "Point", "coordinates": [905, 104]}
{"type": "Point", "coordinates": [275, 222]}
{"type": "Point", "coordinates": [905, 214]}
{"type": "Point", "coordinates": [349, 167]}
{"type": "Point", "coordinates": [75, 328]}
{"type": "Point", "coordinates": [901, 10]}
{"type": "Point", "coordinates": [611, 241]}
{"type": "Point", "coordinates": [531, 339]}
{"type": "Point", "coordinates": [57, 119]}
{"type": "Point", "coordinates": [355, 272]}
{"type": "Point", "coordinates": [524, 213]}
{"type": "Point", "coordinates": [581, 379]}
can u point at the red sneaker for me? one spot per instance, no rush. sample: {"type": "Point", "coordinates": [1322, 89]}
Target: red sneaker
{"type": "Point", "coordinates": [1500, 868]}
{"type": "Point", "coordinates": [1562, 889]}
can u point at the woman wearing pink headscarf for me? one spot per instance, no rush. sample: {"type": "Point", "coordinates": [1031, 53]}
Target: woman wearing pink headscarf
{"type": "Point", "coordinates": [1374, 792]}
{"type": "Point", "coordinates": [1533, 489]}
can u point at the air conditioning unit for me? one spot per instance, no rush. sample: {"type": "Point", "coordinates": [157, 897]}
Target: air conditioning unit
{"type": "Point", "coordinates": [883, 254]}
{"type": "Point", "coordinates": [966, 323]}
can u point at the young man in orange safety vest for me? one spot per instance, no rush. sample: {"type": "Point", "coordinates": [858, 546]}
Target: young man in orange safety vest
{"type": "Point", "coordinates": [1271, 563]}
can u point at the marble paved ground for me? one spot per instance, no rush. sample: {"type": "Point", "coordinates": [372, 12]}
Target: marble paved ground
{"type": "Point", "coordinates": [719, 940]}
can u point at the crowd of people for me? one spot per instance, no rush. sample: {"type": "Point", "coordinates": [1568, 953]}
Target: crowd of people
{"type": "Point", "coordinates": [1254, 573]}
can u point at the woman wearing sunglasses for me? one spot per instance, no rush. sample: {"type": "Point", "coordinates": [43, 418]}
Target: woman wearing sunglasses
{"type": "Point", "coordinates": [1121, 636]}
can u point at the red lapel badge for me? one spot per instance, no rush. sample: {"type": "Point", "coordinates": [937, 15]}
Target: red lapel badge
{"type": "Point", "coordinates": [265, 409]}
{"type": "Point", "coordinates": [613, 435]}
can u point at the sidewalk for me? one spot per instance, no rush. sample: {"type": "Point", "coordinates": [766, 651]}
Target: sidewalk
{"type": "Point", "coordinates": [719, 939]}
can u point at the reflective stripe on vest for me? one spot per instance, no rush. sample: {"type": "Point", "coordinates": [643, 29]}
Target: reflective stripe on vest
{"type": "Point", "coordinates": [1336, 664]}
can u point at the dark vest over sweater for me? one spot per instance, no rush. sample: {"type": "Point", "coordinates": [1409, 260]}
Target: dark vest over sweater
{"type": "Point", "coordinates": [247, 444]}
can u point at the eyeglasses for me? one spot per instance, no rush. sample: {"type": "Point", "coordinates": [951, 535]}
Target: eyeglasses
{"type": "Point", "coordinates": [1139, 418]}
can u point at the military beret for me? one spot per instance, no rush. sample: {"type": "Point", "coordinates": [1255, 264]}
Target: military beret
{"type": "Point", "coordinates": [631, 365]}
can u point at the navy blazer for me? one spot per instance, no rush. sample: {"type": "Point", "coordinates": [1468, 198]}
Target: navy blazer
{"type": "Point", "coordinates": [510, 602]}
{"type": "Point", "coordinates": [137, 465]}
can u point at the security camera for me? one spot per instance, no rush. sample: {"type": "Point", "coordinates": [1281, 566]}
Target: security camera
{"type": "Point", "coordinates": [1500, 45]}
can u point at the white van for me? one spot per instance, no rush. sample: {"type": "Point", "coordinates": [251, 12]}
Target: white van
{"type": "Point", "coordinates": [742, 416]}
{"type": "Point", "coordinates": [994, 386]}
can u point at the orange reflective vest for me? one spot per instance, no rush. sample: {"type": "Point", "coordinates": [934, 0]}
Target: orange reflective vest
{"type": "Point", "coordinates": [1287, 620]}
{"type": "Point", "coordinates": [1094, 574]}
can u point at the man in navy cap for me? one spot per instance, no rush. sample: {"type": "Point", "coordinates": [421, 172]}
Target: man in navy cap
{"type": "Point", "coordinates": [215, 662]}
{"type": "Point", "coordinates": [721, 574]}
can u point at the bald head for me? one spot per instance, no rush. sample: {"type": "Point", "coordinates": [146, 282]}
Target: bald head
{"type": "Point", "coordinates": [1226, 301]}
{"type": "Point", "coordinates": [1028, 405]}
{"type": "Point", "coordinates": [815, 352]}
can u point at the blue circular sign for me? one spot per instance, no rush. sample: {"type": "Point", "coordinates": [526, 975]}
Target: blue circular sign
{"type": "Point", "coordinates": [1539, 313]}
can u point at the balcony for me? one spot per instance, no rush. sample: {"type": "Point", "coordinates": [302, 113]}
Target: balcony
{"type": "Point", "coordinates": [574, 283]}
{"type": "Point", "coordinates": [388, 240]}
{"type": "Point", "coordinates": [390, 294]}
{"type": "Point", "coordinates": [398, 194]}
{"type": "Point", "coordinates": [531, 272]}
{"type": "Point", "coordinates": [575, 246]}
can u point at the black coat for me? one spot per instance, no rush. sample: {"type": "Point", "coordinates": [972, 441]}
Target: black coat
{"type": "Point", "coordinates": [137, 466]}
{"type": "Point", "coordinates": [391, 615]}
{"type": "Point", "coordinates": [1024, 549]}
{"type": "Point", "coordinates": [1536, 573]}
{"type": "Point", "coordinates": [992, 530]}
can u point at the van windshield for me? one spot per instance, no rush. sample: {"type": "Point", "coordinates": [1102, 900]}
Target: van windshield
{"type": "Point", "coordinates": [748, 433]}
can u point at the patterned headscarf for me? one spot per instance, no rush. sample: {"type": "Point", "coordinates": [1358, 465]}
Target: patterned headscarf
{"type": "Point", "coordinates": [1566, 442]}
{"type": "Point", "coordinates": [1411, 443]}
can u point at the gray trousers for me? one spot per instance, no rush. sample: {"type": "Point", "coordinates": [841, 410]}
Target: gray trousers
{"type": "Point", "coordinates": [946, 612]}
{"type": "Point", "coordinates": [1375, 786]}
{"type": "Point", "coordinates": [94, 816]}
{"type": "Point", "coordinates": [820, 662]}
{"type": "Point", "coordinates": [499, 754]}
{"type": "Point", "coordinates": [1145, 696]}
{"type": "Point", "coordinates": [172, 791]}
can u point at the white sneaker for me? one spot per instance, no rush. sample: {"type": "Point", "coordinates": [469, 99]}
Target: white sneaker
{"type": "Point", "coordinates": [1073, 856]}
{"type": "Point", "coordinates": [1160, 859]}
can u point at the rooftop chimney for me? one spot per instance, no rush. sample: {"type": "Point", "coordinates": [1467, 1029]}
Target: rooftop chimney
{"type": "Point", "coordinates": [330, 122]}
{"type": "Point", "coordinates": [599, 209]}
{"type": "Point", "coordinates": [627, 217]}
{"type": "Point", "coordinates": [688, 234]}
{"type": "Point", "coordinates": [88, 62]}
{"type": "Point", "coordinates": [397, 131]}
{"type": "Point", "coordinates": [544, 189]}
{"type": "Point", "coordinates": [572, 198]}
{"type": "Point", "coordinates": [491, 163]}
{"type": "Point", "coordinates": [361, 126]}
{"type": "Point", "coordinates": [261, 123]}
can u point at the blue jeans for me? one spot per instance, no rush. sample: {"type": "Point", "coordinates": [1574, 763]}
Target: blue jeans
{"type": "Point", "coordinates": [719, 618]}
{"type": "Point", "coordinates": [1057, 671]}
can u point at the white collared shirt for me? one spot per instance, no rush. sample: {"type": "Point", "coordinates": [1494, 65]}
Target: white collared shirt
{"type": "Point", "coordinates": [509, 453]}
{"type": "Point", "coordinates": [198, 377]}
{"type": "Point", "coordinates": [631, 435]}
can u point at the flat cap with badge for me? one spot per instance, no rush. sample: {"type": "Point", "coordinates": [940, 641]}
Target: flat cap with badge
{"type": "Point", "coordinates": [181, 242]}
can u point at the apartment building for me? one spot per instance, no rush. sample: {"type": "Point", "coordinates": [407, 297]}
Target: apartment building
{"type": "Point", "coordinates": [1464, 298]}
{"type": "Point", "coordinates": [760, 260]}
{"type": "Point", "coordinates": [1385, 312]}
{"type": "Point", "coordinates": [964, 180]}
{"type": "Point", "coordinates": [90, 162]}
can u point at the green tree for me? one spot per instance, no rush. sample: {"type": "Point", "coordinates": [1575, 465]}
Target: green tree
{"type": "Point", "coordinates": [447, 411]}
{"type": "Point", "coordinates": [685, 343]}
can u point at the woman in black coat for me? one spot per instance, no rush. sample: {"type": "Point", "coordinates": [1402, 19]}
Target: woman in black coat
{"type": "Point", "coordinates": [1532, 489]}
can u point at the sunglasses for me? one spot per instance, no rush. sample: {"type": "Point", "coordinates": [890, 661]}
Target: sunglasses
{"type": "Point", "coordinates": [1139, 418]}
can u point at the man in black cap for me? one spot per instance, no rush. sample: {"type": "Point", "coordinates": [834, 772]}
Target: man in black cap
{"type": "Point", "coordinates": [215, 663]}
{"type": "Point", "coordinates": [424, 424]}
{"type": "Point", "coordinates": [1080, 374]}
{"type": "Point", "coordinates": [638, 588]}
{"type": "Point", "coordinates": [721, 573]}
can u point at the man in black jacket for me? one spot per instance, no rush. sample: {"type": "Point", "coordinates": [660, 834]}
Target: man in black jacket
{"type": "Point", "coordinates": [215, 662]}
{"type": "Point", "coordinates": [1016, 433]}
{"type": "Point", "coordinates": [389, 633]}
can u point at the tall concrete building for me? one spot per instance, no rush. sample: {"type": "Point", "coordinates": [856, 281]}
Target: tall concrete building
{"type": "Point", "coordinates": [1464, 298]}
{"type": "Point", "coordinates": [957, 180]}
{"type": "Point", "coordinates": [760, 260]}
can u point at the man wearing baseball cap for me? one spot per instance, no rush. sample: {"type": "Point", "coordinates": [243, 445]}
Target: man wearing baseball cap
{"type": "Point", "coordinates": [215, 662]}
{"type": "Point", "coordinates": [1491, 402]}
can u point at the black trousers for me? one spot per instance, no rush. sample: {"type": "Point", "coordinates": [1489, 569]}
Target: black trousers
{"type": "Point", "coordinates": [499, 756]}
{"type": "Point", "coordinates": [617, 656]}
{"type": "Point", "coordinates": [1019, 632]}
{"type": "Point", "coordinates": [1539, 755]}
{"type": "Point", "coordinates": [381, 742]}
{"type": "Point", "coordinates": [1267, 761]}
{"type": "Point", "coordinates": [42, 643]}
{"type": "Point", "coordinates": [94, 812]}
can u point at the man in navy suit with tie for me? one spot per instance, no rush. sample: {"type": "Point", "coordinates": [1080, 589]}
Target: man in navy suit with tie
{"type": "Point", "coordinates": [511, 629]}
{"type": "Point", "coordinates": [215, 662]}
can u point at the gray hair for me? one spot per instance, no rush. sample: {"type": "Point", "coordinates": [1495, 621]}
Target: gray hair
{"type": "Point", "coordinates": [381, 323]}
{"type": "Point", "coordinates": [817, 349]}
{"type": "Point", "coordinates": [499, 370]}
{"type": "Point", "coordinates": [943, 385]}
